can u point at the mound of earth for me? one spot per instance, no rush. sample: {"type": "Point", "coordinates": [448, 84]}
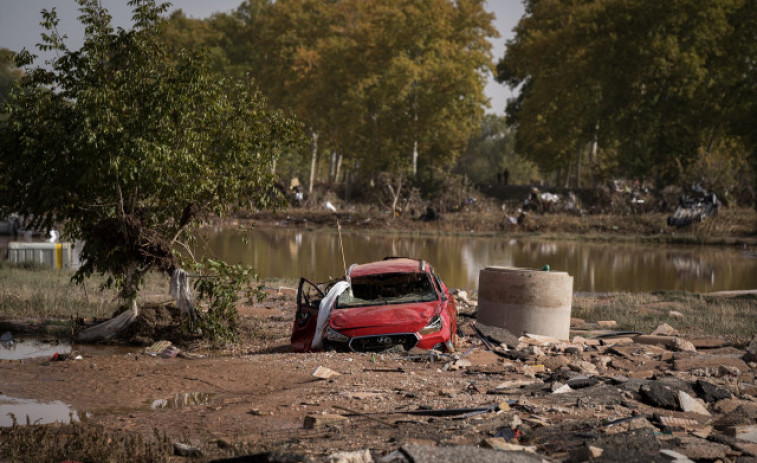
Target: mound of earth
{"type": "Point", "coordinates": [156, 322]}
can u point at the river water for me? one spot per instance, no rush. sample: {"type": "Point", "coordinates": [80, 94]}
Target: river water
{"type": "Point", "coordinates": [596, 267]}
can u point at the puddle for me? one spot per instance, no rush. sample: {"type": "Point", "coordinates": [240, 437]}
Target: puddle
{"type": "Point", "coordinates": [187, 399]}
{"type": "Point", "coordinates": [38, 411]}
{"type": "Point", "coordinates": [31, 348]}
{"type": "Point", "coordinates": [28, 348]}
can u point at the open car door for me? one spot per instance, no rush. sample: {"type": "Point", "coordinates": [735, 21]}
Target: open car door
{"type": "Point", "coordinates": [309, 297]}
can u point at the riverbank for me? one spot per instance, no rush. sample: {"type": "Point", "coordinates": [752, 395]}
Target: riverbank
{"type": "Point", "coordinates": [732, 226]}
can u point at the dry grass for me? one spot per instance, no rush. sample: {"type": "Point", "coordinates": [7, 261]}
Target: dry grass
{"type": "Point", "coordinates": [32, 292]}
{"type": "Point", "coordinates": [79, 442]}
{"type": "Point", "coordinates": [699, 315]}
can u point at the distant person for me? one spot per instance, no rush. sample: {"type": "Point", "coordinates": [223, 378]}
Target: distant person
{"type": "Point", "coordinates": [506, 176]}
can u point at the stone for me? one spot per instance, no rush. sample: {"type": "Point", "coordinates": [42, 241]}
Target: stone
{"type": "Point", "coordinates": [709, 392]}
{"type": "Point", "coordinates": [643, 374]}
{"type": "Point", "coordinates": [324, 373]}
{"type": "Point", "coordinates": [184, 450]}
{"type": "Point", "coordinates": [682, 345]}
{"type": "Point", "coordinates": [699, 449]}
{"type": "Point", "coordinates": [659, 395]}
{"type": "Point", "coordinates": [357, 456]}
{"type": "Point", "coordinates": [498, 335]}
{"type": "Point", "coordinates": [451, 454]}
{"type": "Point", "coordinates": [554, 362]}
{"type": "Point", "coordinates": [580, 381]}
{"type": "Point", "coordinates": [562, 389]}
{"type": "Point", "coordinates": [689, 404]}
{"type": "Point", "coordinates": [606, 324]}
{"type": "Point", "coordinates": [584, 367]}
{"type": "Point", "coordinates": [675, 457]}
{"type": "Point", "coordinates": [685, 361]}
{"type": "Point", "coordinates": [327, 419]}
{"type": "Point", "coordinates": [499, 443]}
{"type": "Point", "coordinates": [585, 453]}
{"type": "Point", "coordinates": [665, 330]}
{"type": "Point", "coordinates": [751, 351]}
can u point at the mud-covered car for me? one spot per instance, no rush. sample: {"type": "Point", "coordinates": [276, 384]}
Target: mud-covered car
{"type": "Point", "coordinates": [377, 306]}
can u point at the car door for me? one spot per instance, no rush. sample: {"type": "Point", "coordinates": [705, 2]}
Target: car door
{"type": "Point", "coordinates": [309, 297]}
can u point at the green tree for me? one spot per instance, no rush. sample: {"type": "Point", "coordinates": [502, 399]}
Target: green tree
{"type": "Point", "coordinates": [492, 151]}
{"type": "Point", "coordinates": [650, 84]}
{"type": "Point", "coordinates": [9, 74]}
{"type": "Point", "coordinates": [129, 144]}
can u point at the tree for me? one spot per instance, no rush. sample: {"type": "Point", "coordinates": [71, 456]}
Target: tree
{"type": "Point", "coordinates": [9, 74]}
{"type": "Point", "coordinates": [651, 84]}
{"type": "Point", "coordinates": [129, 144]}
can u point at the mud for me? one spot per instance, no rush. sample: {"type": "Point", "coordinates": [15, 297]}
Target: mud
{"type": "Point", "coordinates": [255, 397]}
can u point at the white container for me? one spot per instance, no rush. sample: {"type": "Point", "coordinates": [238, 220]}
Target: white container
{"type": "Point", "coordinates": [525, 300]}
{"type": "Point", "coordinates": [53, 255]}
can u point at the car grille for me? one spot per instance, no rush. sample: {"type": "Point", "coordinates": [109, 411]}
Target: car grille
{"type": "Point", "coordinates": [383, 342]}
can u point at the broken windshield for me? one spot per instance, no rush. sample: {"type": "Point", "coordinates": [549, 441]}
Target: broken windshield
{"type": "Point", "coordinates": [388, 288]}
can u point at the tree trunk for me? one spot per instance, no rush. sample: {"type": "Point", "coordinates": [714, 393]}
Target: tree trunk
{"type": "Point", "coordinates": [338, 167]}
{"type": "Point", "coordinates": [313, 158]}
{"type": "Point", "coordinates": [593, 155]}
{"type": "Point", "coordinates": [332, 167]}
{"type": "Point", "coordinates": [415, 157]}
{"type": "Point", "coordinates": [578, 167]}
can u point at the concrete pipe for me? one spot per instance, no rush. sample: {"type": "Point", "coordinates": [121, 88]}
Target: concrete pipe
{"type": "Point", "coordinates": [525, 301]}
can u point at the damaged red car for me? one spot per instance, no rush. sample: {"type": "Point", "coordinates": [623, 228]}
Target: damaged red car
{"type": "Point", "coordinates": [396, 302]}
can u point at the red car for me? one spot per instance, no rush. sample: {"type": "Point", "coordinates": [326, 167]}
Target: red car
{"type": "Point", "coordinates": [384, 304]}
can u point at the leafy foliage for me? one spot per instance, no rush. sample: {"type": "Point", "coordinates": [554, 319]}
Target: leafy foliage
{"type": "Point", "coordinates": [128, 143]}
{"type": "Point", "coordinates": [219, 286]}
{"type": "Point", "coordinates": [652, 84]}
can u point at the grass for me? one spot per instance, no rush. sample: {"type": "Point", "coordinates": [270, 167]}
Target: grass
{"type": "Point", "coordinates": [34, 292]}
{"type": "Point", "coordinates": [699, 315]}
{"type": "Point", "coordinates": [79, 442]}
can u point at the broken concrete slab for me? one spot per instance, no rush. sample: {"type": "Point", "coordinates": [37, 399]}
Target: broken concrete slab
{"type": "Point", "coordinates": [659, 395]}
{"type": "Point", "coordinates": [687, 361]}
{"type": "Point", "coordinates": [699, 449]}
{"type": "Point", "coordinates": [498, 335]}
{"type": "Point", "coordinates": [637, 446]}
{"type": "Point", "coordinates": [675, 457]}
{"type": "Point", "coordinates": [709, 392]}
{"type": "Point", "coordinates": [689, 404]}
{"type": "Point", "coordinates": [445, 454]}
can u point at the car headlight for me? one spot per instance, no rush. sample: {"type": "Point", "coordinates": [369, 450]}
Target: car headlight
{"type": "Point", "coordinates": [434, 325]}
{"type": "Point", "coordinates": [336, 336]}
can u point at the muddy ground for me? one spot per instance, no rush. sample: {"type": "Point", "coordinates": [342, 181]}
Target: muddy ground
{"type": "Point", "coordinates": [259, 397]}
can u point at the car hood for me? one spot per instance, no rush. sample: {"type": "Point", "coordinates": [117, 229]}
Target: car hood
{"type": "Point", "coordinates": [410, 317]}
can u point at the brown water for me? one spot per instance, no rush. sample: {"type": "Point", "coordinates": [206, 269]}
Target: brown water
{"type": "Point", "coordinates": [596, 267]}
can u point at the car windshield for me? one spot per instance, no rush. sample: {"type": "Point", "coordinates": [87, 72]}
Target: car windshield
{"type": "Point", "coordinates": [387, 288]}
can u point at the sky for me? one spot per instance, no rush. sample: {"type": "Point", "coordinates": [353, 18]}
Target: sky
{"type": "Point", "coordinates": [19, 26]}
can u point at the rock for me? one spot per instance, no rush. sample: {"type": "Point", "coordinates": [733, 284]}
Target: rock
{"type": "Point", "coordinates": [685, 361]}
{"type": "Point", "coordinates": [689, 404]}
{"type": "Point", "coordinates": [451, 454]}
{"type": "Point", "coordinates": [562, 389]}
{"type": "Point", "coordinates": [751, 351]}
{"type": "Point", "coordinates": [728, 370]}
{"type": "Point", "coordinates": [555, 362]}
{"type": "Point", "coordinates": [498, 443]}
{"type": "Point", "coordinates": [643, 374]}
{"type": "Point", "coordinates": [184, 450]}
{"type": "Point", "coordinates": [357, 456]}
{"type": "Point", "coordinates": [315, 421]}
{"type": "Point", "coordinates": [584, 367]}
{"type": "Point", "coordinates": [606, 324]}
{"type": "Point", "coordinates": [637, 446]}
{"type": "Point", "coordinates": [585, 453]}
{"type": "Point", "coordinates": [665, 330]}
{"type": "Point", "coordinates": [580, 381]}
{"type": "Point", "coordinates": [682, 345]}
{"type": "Point", "coordinates": [498, 335]}
{"type": "Point", "coordinates": [675, 457]}
{"type": "Point", "coordinates": [709, 392]}
{"type": "Point", "coordinates": [659, 395]}
{"type": "Point", "coordinates": [325, 373]}
{"type": "Point", "coordinates": [699, 449]}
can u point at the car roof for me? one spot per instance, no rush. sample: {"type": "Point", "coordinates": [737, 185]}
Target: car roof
{"type": "Point", "coordinates": [389, 265]}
